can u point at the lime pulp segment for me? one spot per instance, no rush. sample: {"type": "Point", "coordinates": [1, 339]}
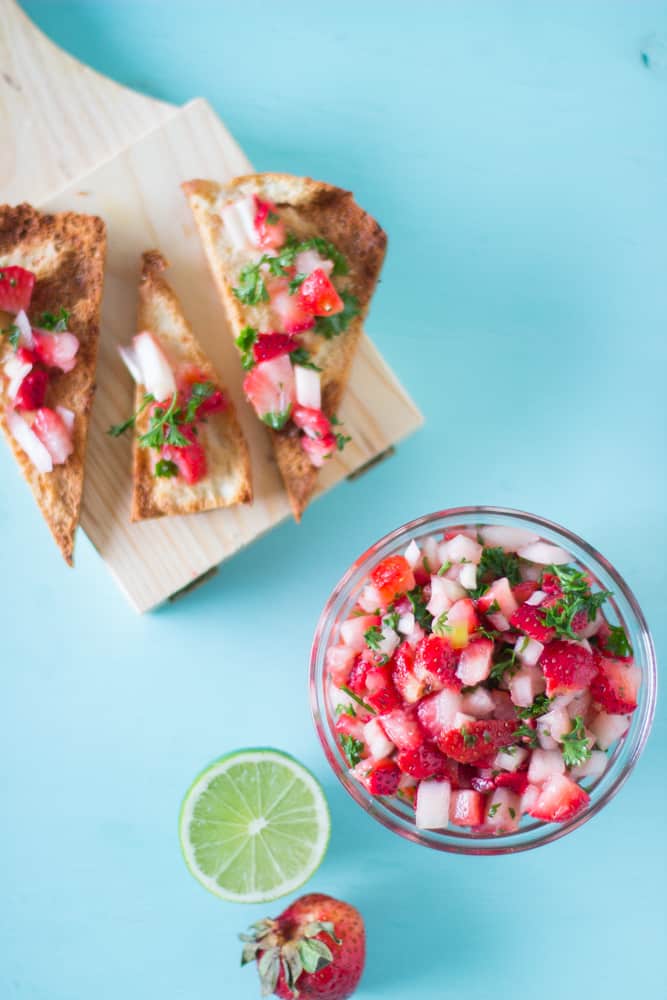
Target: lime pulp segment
{"type": "Point", "coordinates": [254, 826]}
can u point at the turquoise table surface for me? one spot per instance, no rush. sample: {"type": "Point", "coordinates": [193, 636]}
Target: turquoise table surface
{"type": "Point", "coordinates": [516, 153]}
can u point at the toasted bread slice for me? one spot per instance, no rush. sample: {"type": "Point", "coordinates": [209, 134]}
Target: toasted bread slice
{"type": "Point", "coordinates": [228, 478]}
{"type": "Point", "coordinates": [66, 252]}
{"type": "Point", "coordinates": [309, 208]}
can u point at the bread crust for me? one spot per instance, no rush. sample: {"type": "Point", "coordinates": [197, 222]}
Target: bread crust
{"type": "Point", "coordinates": [66, 251]}
{"type": "Point", "coordinates": [327, 211]}
{"type": "Point", "coordinates": [228, 480]}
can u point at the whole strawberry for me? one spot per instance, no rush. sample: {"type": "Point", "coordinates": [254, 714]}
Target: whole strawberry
{"type": "Point", "coordinates": [315, 948]}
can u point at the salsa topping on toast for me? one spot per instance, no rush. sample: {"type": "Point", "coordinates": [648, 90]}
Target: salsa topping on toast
{"type": "Point", "coordinates": [36, 351]}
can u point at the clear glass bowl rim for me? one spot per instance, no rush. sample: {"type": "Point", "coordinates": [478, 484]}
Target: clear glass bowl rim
{"type": "Point", "coordinates": [539, 834]}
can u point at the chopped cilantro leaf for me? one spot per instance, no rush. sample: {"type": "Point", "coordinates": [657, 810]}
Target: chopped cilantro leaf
{"type": "Point", "coordinates": [163, 428]}
{"type": "Point", "coordinates": [342, 440]}
{"type": "Point", "coordinates": [276, 421]}
{"type": "Point", "coordinates": [575, 746]}
{"type": "Point", "coordinates": [56, 322]}
{"type": "Point", "coordinates": [617, 642]}
{"type": "Point", "coordinates": [391, 620]}
{"type": "Point", "coordinates": [540, 706]}
{"type": "Point", "coordinates": [331, 326]}
{"type": "Point", "coordinates": [444, 568]}
{"type": "Point", "coordinates": [244, 342]}
{"type": "Point", "coordinates": [251, 289]}
{"type": "Point", "coordinates": [576, 597]}
{"type": "Point", "coordinates": [352, 748]}
{"type": "Point", "coordinates": [505, 665]}
{"type": "Point", "coordinates": [493, 809]}
{"type": "Point", "coordinates": [423, 617]}
{"type": "Point", "coordinates": [494, 564]}
{"type": "Point", "coordinates": [355, 697]}
{"type": "Point", "coordinates": [524, 732]}
{"type": "Point", "coordinates": [272, 218]}
{"type": "Point", "coordinates": [345, 710]}
{"type": "Point", "coordinates": [199, 393]}
{"type": "Point", "coordinates": [296, 283]}
{"type": "Point", "coordinates": [117, 429]}
{"type": "Point", "coordinates": [13, 335]}
{"type": "Point", "coordinates": [165, 468]}
{"type": "Point", "coordinates": [373, 638]}
{"type": "Point", "coordinates": [440, 626]}
{"type": "Point", "coordinates": [469, 739]}
{"type": "Point", "coordinates": [512, 812]}
{"type": "Point", "coordinates": [301, 357]}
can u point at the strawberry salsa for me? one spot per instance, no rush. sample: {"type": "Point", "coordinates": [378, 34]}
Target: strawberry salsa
{"type": "Point", "coordinates": [31, 352]}
{"type": "Point", "coordinates": [176, 402]}
{"type": "Point", "coordinates": [479, 680]}
{"type": "Point", "coordinates": [289, 285]}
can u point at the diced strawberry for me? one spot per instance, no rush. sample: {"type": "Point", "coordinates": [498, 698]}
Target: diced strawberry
{"type": "Point", "coordinates": [380, 691]}
{"type": "Point", "coordinates": [499, 593]}
{"type": "Point", "coordinates": [350, 725]}
{"type": "Point", "coordinates": [559, 800]}
{"type": "Point", "coordinates": [356, 680]}
{"type": "Point", "coordinates": [32, 390]}
{"type": "Point", "coordinates": [615, 685]}
{"type": "Point", "coordinates": [436, 713]}
{"type": "Point", "coordinates": [402, 729]}
{"type": "Point", "coordinates": [524, 590]}
{"type": "Point", "coordinates": [550, 584]}
{"type": "Point", "coordinates": [272, 345]}
{"type": "Point", "coordinates": [269, 226]}
{"type": "Point", "coordinates": [466, 808]}
{"type": "Point", "coordinates": [477, 741]}
{"type": "Point", "coordinates": [318, 296]}
{"type": "Point", "coordinates": [392, 576]}
{"type": "Point", "coordinates": [339, 660]}
{"type": "Point", "coordinates": [426, 762]}
{"type": "Point", "coordinates": [54, 435]}
{"type": "Point", "coordinates": [517, 781]}
{"type": "Point", "coordinates": [292, 318]}
{"type": "Point", "coordinates": [56, 350]}
{"type": "Point", "coordinates": [567, 667]}
{"type": "Point", "coordinates": [191, 375]}
{"type": "Point", "coordinates": [312, 422]}
{"type": "Point", "coordinates": [353, 630]}
{"type": "Point", "coordinates": [381, 777]}
{"type": "Point", "coordinates": [435, 664]}
{"type": "Point", "coordinates": [16, 285]}
{"type": "Point", "coordinates": [189, 459]}
{"type": "Point", "coordinates": [319, 450]}
{"type": "Point", "coordinates": [475, 662]}
{"type": "Point", "coordinates": [531, 621]}
{"type": "Point", "coordinates": [410, 688]}
{"type": "Point", "coordinates": [270, 388]}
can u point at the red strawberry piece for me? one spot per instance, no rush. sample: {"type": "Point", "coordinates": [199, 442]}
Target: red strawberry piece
{"type": "Point", "coordinates": [350, 725]}
{"type": "Point", "coordinates": [524, 590]}
{"type": "Point", "coordinates": [560, 799]}
{"type": "Point", "coordinates": [215, 403]}
{"type": "Point", "coordinates": [16, 285]}
{"type": "Point", "coordinates": [403, 676]}
{"type": "Point", "coordinates": [55, 436]}
{"type": "Point", "coordinates": [435, 664]}
{"type": "Point", "coordinates": [187, 378]}
{"type": "Point", "coordinates": [382, 777]}
{"type": "Point", "coordinates": [318, 296]}
{"type": "Point", "coordinates": [340, 659]}
{"type": "Point", "coordinates": [437, 711]}
{"type": "Point", "coordinates": [31, 392]}
{"type": "Point", "coordinates": [291, 316]}
{"type": "Point", "coordinates": [270, 388]}
{"type": "Point", "coordinates": [551, 584]}
{"type": "Point", "coordinates": [392, 576]}
{"type": "Point", "coordinates": [477, 741]}
{"type": "Point", "coordinates": [567, 667]}
{"type": "Point", "coordinates": [272, 345]}
{"type": "Point", "coordinates": [466, 808]}
{"type": "Point", "coordinates": [426, 762]}
{"type": "Point", "coordinates": [319, 450]}
{"type": "Point", "coordinates": [269, 226]}
{"type": "Point", "coordinates": [357, 677]}
{"type": "Point", "coordinates": [312, 422]}
{"type": "Point", "coordinates": [402, 729]}
{"type": "Point", "coordinates": [313, 927]}
{"type": "Point", "coordinates": [517, 781]}
{"type": "Point", "coordinates": [531, 621]}
{"type": "Point", "coordinates": [615, 685]}
{"type": "Point", "coordinates": [189, 459]}
{"type": "Point", "coordinates": [56, 350]}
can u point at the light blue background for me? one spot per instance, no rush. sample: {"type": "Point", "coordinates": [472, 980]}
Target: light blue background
{"type": "Point", "coordinates": [516, 154]}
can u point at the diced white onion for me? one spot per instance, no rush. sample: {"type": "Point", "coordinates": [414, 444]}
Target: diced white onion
{"type": "Point", "coordinates": [148, 366]}
{"type": "Point", "coordinates": [544, 554]}
{"type": "Point", "coordinates": [67, 417]}
{"type": "Point", "coordinates": [308, 387]}
{"type": "Point", "coordinates": [536, 598]}
{"type": "Point", "coordinates": [15, 370]}
{"type": "Point", "coordinates": [26, 438]}
{"type": "Point", "coordinates": [412, 554]}
{"type": "Point", "coordinates": [26, 338]}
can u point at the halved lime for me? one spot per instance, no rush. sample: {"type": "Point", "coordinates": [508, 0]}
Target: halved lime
{"type": "Point", "coordinates": [254, 826]}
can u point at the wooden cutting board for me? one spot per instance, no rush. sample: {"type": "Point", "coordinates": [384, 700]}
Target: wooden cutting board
{"type": "Point", "coordinates": [123, 156]}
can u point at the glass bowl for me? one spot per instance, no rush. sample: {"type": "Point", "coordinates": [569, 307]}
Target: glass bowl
{"type": "Point", "coordinates": [399, 816]}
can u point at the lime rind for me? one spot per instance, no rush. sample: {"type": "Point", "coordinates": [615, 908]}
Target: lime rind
{"type": "Point", "coordinates": [254, 826]}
